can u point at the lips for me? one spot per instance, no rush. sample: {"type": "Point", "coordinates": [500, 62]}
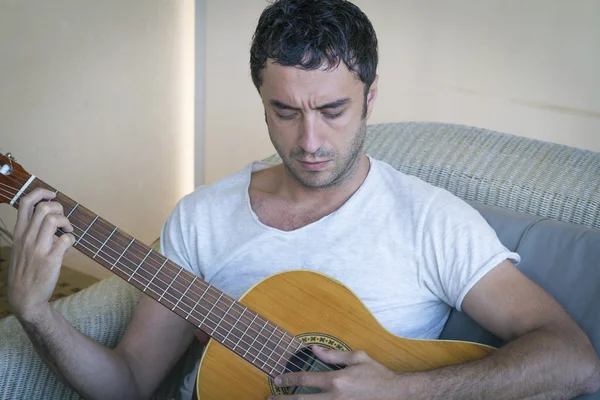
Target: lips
{"type": "Point", "coordinates": [312, 165]}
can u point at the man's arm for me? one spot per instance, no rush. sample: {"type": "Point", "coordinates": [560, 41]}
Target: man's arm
{"type": "Point", "coordinates": [154, 340]}
{"type": "Point", "coordinates": [548, 356]}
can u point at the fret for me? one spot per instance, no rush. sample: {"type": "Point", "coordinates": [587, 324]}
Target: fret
{"type": "Point", "coordinates": [268, 340]}
{"type": "Point", "coordinates": [247, 328]}
{"type": "Point", "coordinates": [106, 241]}
{"type": "Point", "coordinates": [223, 317]}
{"type": "Point", "coordinates": [212, 308]}
{"type": "Point", "coordinates": [234, 324]}
{"type": "Point", "coordinates": [139, 265]}
{"type": "Point", "coordinates": [199, 300]}
{"type": "Point", "coordinates": [121, 255]}
{"type": "Point", "coordinates": [276, 347]}
{"type": "Point", "coordinates": [86, 231]}
{"type": "Point", "coordinates": [20, 192]}
{"type": "Point", "coordinates": [254, 341]}
{"type": "Point", "coordinates": [169, 287]}
{"type": "Point", "coordinates": [184, 293]}
{"type": "Point", "coordinates": [55, 196]}
{"type": "Point", "coordinates": [71, 212]}
{"type": "Point", "coordinates": [156, 273]}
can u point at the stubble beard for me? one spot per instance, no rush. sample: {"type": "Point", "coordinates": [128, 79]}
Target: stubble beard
{"type": "Point", "coordinates": [345, 168]}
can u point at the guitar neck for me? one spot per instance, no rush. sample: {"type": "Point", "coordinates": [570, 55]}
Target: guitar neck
{"type": "Point", "coordinates": [227, 321]}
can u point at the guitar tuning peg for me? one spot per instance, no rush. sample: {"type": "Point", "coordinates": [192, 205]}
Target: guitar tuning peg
{"type": "Point", "coordinates": [6, 169]}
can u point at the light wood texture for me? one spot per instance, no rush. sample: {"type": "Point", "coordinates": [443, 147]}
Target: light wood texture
{"type": "Point", "coordinates": [303, 301]}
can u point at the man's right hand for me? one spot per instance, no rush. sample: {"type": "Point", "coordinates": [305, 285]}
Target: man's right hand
{"type": "Point", "coordinates": [37, 255]}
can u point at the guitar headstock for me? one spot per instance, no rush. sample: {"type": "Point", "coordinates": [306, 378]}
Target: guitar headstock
{"type": "Point", "coordinates": [12, 177]}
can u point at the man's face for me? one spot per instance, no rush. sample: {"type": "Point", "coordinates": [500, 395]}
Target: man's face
{"type": "Point", "coordinates": [315, 121]}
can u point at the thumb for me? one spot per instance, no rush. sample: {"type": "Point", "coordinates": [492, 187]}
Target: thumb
{"type": "Point", "coordinates": [331, 356]}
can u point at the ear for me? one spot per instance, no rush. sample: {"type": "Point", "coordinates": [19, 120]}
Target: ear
{"type": "Point", "coordinates": [372, 96]}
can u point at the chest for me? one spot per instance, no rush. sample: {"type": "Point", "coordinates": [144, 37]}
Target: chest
{"type": "Point", "coordinates": [283, 215]}
{"type": "Point", "coordinates": [380, 270]}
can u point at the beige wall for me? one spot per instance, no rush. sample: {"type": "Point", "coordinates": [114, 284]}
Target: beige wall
{"type": "Point", "coordinates": [97, 100]}
{"type": "Point", "coordinates": [523, 67]}
{"type": "Point", "coordinates": [97, 97]}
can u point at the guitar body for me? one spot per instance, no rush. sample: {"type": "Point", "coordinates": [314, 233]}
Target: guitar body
{"type": "Point", "coordinates": [307, 302]}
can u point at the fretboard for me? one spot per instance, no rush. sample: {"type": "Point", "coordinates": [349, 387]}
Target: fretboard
{"type": "Point", "coordinates": [227, 321]}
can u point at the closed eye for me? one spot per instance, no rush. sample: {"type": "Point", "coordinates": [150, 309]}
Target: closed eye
{"type": "Point", "coordinates": [333, 116]}
{"type": "Point", "coordinates": [285, 117]}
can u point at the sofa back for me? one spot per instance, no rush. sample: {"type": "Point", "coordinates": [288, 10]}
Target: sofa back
{"type": "Point", "coordinates": [513, 172]}
{"type": "Point", "coordinates": [561, 257]}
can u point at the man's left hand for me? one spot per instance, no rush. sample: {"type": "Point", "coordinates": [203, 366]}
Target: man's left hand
{"type": "Point", "coordinates": [363, 378]}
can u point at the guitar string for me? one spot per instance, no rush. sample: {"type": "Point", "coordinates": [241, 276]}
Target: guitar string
{"type": "Point", "coordinates": [277, 362]}
{"type": "Point", "coordinates": [125, 258]}
{"type": "Point", "coordinates": [312, 359]}
{"type": "Point", "coordinates": [233, 325]}
{"type": "Point", "coordinates": [259, 351]}
{"type": "Point", "coordinates": [238, 305]}
{"type": "Point", "coordinates": [277, 346]}
{"type": "Point", "coordinates": [230, 333]}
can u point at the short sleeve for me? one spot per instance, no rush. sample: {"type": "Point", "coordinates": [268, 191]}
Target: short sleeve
{"type": "Point", "coordinates": [458, 248]}
{"type": "Point", "coordinates": [175, 239]}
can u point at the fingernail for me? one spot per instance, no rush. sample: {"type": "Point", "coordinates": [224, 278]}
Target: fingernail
{"type": "Point", "coordinates": [278, 381]}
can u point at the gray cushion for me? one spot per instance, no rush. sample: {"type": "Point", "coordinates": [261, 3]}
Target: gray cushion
{"type": "Point", "coordinates": [509, 225]}
{"type": "Point", "coordinates": [565, 260]}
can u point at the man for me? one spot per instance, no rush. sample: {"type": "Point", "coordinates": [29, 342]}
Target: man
{"type": "Point", "coordinates": [314, 65]}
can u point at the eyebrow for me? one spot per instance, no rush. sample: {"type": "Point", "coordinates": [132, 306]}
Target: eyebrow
{"type": "Point", "coordinates": [334, 104]}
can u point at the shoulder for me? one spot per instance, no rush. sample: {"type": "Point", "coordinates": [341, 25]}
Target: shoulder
{"type": "Point", "coordinates": [426, 201]}
{"type": "Point", "coordinates": [220, 193]}
{"type": "Point", "coordinates": [396, 180]}
{"type": "Point", "coordinates": [408, 187]}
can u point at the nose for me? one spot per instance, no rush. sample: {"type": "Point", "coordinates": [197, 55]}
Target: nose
{"type": "Point", "coordinates": [310, 140]}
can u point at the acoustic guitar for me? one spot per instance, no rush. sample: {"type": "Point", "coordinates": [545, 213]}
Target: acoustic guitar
{"type": "Point", "coordinates": [269, 331]}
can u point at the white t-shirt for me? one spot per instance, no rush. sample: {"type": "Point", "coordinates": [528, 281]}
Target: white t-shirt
{"type": "Point", "coordinates": [409, 250]}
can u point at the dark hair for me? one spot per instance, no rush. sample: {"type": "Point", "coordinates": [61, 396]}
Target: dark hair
{"type": "Point", "coordinates": [313, 33]}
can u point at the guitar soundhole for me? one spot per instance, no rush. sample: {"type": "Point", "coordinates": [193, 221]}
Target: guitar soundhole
{"type": "Point", "coordinates": [304, 360]}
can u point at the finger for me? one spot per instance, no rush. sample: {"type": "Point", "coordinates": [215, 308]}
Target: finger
{"type": "Point", "coordinates": [50, 224]}
{"type": "Point", "coordinates": [61, 246]}
{"type": "Point", "coordinates": [336, 357]}
{"type": "Point", "coordinates": [317, 380]}
{"type": "Point", "coordinates": [42, 210]}
{"type": "Point", "coordinates": [27, 207]}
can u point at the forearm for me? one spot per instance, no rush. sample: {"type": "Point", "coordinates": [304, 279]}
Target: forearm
{"type": "Point", "coordinates": [540, 365]}
{"type": "Point", "coordinates": [90, 368]}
